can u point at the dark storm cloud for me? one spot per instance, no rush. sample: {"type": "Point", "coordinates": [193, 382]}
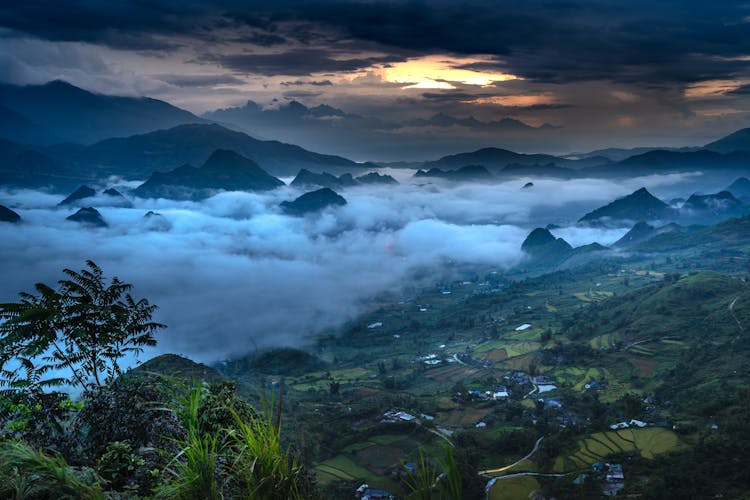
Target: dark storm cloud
{"type": "Point", "coordinates": [199, 80]}
{"type": "Point", "coordinates": [651, 42]}
{"type": "Point", "coordinates": [314, 83]}
{"type": "Point", "coordinates": [564, 41]}
{"type": "Point", "coordinates": [297, 62]}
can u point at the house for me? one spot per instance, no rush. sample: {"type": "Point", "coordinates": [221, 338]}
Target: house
{"type": "Point", "coordinates": [637, 423]}
{"type": "Point", "coordinates": [410, 467]}
{"type": "Point", "coordinates": [614, 473]}
{"type": "Point", "coordinates": [523, 327]}
{"type": "Point", "coordinates": [373, 494]}
{"type": "Point", "coordinates": [480, 425]}
{"type": "Point", "coordinates": [553, 403]}
{"type": "Point", "coordinates": [546, 388]}
{"type": "Point", "coordinates": [619, 425]}
{"type": "Point", "coordinates": [377, 324]}
{"type": "Point", "coordinates": [501, 392]}
{"type": "Point", "coordinates": [426, 416]}
{"type": "Point", "coordinates": [396, 415]}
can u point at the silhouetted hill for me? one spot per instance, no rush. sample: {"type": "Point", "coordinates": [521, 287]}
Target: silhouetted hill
{"type": "Point", "coordinates": [719, 202]}
{"type": "Point", "coordinates": [313, 202]}
{"type": "Point", "coordinates": [139, 155]}
{"type": "Point", "coordinates": [466, 173]}
{"type": "Point", "coordinates": [737, 141]}
{"type": "Point", "coordinates": [8, 215]}
{"type": "Point", "coordinates": [544, 249]}
{"type": "Point", "coordinates": [637, 206]}
{"type": "Point", "coordinates": [69, 113]}
{"type": "Point", "coordinates": [549, 170]}
{"type": "Point", "coordinates": [173, 365]}
{"type": "Point", "coordinates": [223, 170]}
{"type": "Point", "coordinates": [490, 158]}
{"type": "Point", "coordinates": [25, 167]}
{"type": "Point", "coordinates": [662, 161]}
{"type": "Point", "coordinates": [281, 361]}
{"type": "Point", "coordinates": [18, 128]}
{"type": "Point", "coordinates": [79, 194]}
{"type": "Point", "coordinates": [376, 178]}
{"type": "Point", "coordinates": [641, 231]}
{"type": "Point", "coordinates": [88, 216]}
{"type": "Point", "coordinates": [740, 188]}
{"type": "Point", "coordinates": [324, 179]}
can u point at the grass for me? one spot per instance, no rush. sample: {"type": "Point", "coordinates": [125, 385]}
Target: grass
{"type": "Point", "coordinates": [648, 442]}
{"type": "Point", "coordinates": [516, 488]}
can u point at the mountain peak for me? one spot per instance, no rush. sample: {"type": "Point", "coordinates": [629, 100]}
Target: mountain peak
{"type": "Point", "coordinates": [537, 238]}
{"type": "Point", "coordinates": [640, 205]}
{"type": "Point", "coordinates": [313, 201]}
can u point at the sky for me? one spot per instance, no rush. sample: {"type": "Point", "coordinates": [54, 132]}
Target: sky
{"type": "Point", "coordinates": [582, 75]}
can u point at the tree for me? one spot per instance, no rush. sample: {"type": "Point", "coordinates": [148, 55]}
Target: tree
{"type": "Point", "coordinates": [85, 326]}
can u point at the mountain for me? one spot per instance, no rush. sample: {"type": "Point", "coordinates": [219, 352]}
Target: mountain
{"type": "Point", "coordinates": [18, 128]}
{"type": "Point", "coordinates": [179, 367]}
{"type": "Point", "coordinates": [544, 249]}
{"type": "Point", "coordinates": [467, 173]}
{"type": "Point", "coordinates": [492, 159]}
{"type": "Point", "coordinates": [21, 166]}
{"type": "Point", "coordinates": [88, 216]}
{"type": "Point", "coordinates": [619, 154]}
{"type": "Point", "coordinates": [376, 178]}
{"type": "Point", "coordinates": [549, 170]}
{"type": "Point", "coordinates": [504, 124]}
{"type": "Point", "coordinates": [711, 208]}
{"type": "Point", "coordinates": [69, 113]}
{"type": "Point", "coordinates": [737, 141]}
{"type": "Point", "coordinates": [8, 215]}
{"type": "Point", "coordinates": [719, 202]}
{"type": "Point", "coordinates": [324, 179]}
{"type": "Point", "coordinates": [662, 161]}
{"type": "Point", "coordinates": [740, 188]}
{"type": "Point", "coordinates": [641, 231]}
{"type": "Point", "coordinates": [223, 170]}
{"type": "Point", "coordinates": [637, 206]}
{"type": "Point", "coordinates": [313, 201]}
{"type": "Point", "coordinates": [79, 194]}
{"type": "Point", "coordinates": [139, 155]}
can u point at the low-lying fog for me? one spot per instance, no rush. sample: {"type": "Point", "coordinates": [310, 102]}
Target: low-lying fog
{"type": "Point", "coordinates": [232, 273]}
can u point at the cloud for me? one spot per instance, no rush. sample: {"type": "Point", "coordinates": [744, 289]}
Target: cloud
{"type": "Point", "coordinates": [208, 80]}
{"type": "Point", "coordinates": [233, 273]}
{"type": "Point", "coordinates": [297, 62]}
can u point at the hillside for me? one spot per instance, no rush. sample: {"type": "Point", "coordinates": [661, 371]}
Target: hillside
{"type": "Point", "coordinates": [736, 141]}
{"type": "Point", "coordinates": [314, 201]}
{"type": "Point", "coordinates": [223, 170]}
{"type": "Point", "coordinates": [637, 206]}
{"type": "Point", "coordinates": [139, 155]}
{"type": "Point", "coordinates": [60, 112]}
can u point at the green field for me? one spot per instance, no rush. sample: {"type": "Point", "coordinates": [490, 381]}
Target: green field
{"type": "Point", "coordinates": [648, 442]}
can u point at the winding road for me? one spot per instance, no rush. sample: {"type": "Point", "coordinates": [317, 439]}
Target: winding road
{"type": "Point", "coordinates": [502, 469]}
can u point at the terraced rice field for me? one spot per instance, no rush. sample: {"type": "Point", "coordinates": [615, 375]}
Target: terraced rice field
{"type": "Point", "coordinates": [648, 442]}
{"type": "Point", "coordinates": [606, 341]}
{"type": "Point", "coordinates": [592, 296]}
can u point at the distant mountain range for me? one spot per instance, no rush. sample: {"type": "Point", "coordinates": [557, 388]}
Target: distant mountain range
{"type": "Point", "coordinates": [737, 141]}
{"type": "Point", "coordinates": [224, 170]}
{"type": "Point", "coordinates": [60, 112]}
{"type": "Point", "coordinates": [58, 135]}
{"type": "Point", "coordinates": [641, 206]}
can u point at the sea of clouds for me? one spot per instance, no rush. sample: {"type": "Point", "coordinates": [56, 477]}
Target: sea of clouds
{"type": "Point", "coordinates": [232, 273]}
